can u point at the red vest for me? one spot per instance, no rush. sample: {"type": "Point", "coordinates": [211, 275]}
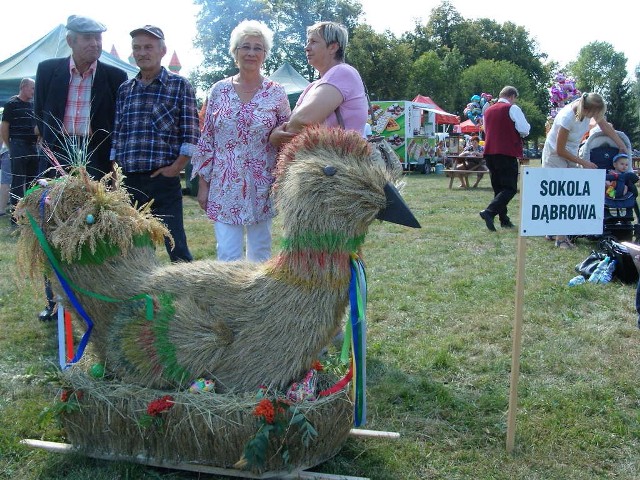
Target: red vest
{"type": "Point", "coordinates": [501, 136]}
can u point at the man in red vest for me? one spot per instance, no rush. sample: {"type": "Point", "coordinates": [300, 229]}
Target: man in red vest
{"type": "Point", "coordinates": [504, 128]}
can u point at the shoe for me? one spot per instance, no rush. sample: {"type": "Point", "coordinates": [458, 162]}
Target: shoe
{"type": "Point", "coordinates": [488, 219]}
{"type": "Point", "coordinates": [47, 314]}
{"type": "Point", "coordinates": [505, 222]}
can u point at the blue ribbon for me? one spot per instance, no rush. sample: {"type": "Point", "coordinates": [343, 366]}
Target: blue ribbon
{"type": "Point", "coordinates": [70, 295]}
{"type": "Point", "coordinates": [76, 304]}
{"type": "Point", "coordinates": [358, 300]}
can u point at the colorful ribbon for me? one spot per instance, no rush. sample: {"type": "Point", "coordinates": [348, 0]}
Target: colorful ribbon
{"type": "Point", "coordinates": [357, 328]}
{"type": "Point", "coordinates": [355, 342]}
{"type": "Point", "coordinates": [69, 287]}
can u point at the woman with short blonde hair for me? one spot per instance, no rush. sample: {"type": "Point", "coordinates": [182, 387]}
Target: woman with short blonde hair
{"type": "Point", "coordinates": [250, 28]}
{"type": "Point", "coordinates": [234, 158]}
{"type": "Point", "coordinates": [337, 98]}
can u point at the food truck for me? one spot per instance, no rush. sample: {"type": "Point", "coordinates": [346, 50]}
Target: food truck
{"type": "Point", "coordinates": [409, 127]}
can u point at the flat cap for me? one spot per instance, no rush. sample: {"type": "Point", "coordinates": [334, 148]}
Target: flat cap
{"type": "Point", "coordinates": [149, 30]}
{"type": "Point", "coordinates": [80, 24]}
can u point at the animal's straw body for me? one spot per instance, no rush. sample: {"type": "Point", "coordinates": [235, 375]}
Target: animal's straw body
{"type": "Point", "coordinates": [232, 322]}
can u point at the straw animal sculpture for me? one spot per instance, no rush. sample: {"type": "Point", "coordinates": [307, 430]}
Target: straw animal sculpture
{"type": "Point", "coordinates": [240, 323]}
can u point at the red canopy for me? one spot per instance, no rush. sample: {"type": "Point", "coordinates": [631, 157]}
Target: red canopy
{"type": "Point", "coordinates": [441, 115]}
{"type": "Point", "coordinates": [469, 127]}
{"type": "Point", "coordinates": [174, 64]}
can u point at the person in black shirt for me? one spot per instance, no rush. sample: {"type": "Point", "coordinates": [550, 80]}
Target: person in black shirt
{"type": "Point", "coordinates": [17, 130]}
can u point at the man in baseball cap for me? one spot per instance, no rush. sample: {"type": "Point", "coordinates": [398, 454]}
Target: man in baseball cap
{"type": "Point", "coordinates": [155, 133]}
{"type": "Point", "coordinates": [149, 30]}
{"type": "Point", "coordinates": [80, 24]}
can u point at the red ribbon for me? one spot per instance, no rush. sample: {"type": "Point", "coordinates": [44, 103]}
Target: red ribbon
{"type": "Point", "coordinates": [340, 385]}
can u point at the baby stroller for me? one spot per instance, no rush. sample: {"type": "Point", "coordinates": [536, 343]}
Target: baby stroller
{"type": "Point", "coordinates": [619, 213]}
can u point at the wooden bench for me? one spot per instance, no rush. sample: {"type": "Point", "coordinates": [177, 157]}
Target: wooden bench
{"type": "Point", "coordinates": [463, 175]}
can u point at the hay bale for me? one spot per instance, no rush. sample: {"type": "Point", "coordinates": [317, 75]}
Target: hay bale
{"type": "Point", "coordinates": [205, 428]}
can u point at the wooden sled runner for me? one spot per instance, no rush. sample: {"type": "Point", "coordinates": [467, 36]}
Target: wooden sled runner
{"type": "Point", "coordinates": [301, 473]}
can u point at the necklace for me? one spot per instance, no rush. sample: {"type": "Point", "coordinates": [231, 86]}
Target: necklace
{"type": "Point", "coordinates": [239, 86]}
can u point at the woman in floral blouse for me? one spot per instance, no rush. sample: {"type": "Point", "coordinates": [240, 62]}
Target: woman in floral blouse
{"type": "Point", "coordinates": [234, 159]}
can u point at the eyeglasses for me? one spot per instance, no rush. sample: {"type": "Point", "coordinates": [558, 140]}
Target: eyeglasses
{"type": "Point", "coordinates": [248, 48]}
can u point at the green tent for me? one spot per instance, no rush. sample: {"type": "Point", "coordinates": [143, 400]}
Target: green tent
{"type": "Point", "coordinates": [25, 62]}
{"type": "Point", "coordinates": [291, 80]}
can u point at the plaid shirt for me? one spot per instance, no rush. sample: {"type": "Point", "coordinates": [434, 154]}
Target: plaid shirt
{"type": "Point", "coordinates": [154, 123]}
{"type": "Point", "coordinates": [78, 109]}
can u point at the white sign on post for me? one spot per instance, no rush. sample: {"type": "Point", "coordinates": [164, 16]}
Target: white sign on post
{"type": "Point", "coordinates": [562, 201]}
{"type": "Point", "coordinates": [553, 201]}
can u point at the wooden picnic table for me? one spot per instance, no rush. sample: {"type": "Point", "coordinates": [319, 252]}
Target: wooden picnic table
{"type": "Point", "coordinates": [460, 168]}
{"type": "Point", "coordinates": [463, 173]}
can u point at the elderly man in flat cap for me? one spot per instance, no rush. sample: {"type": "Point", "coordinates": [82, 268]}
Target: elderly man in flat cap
{"type": "Point", "coordinates": [75, 97]}
{"type": "Point", "coordinates": [74, 106]}
{"type": "Point", "coordinates": [155, 133]}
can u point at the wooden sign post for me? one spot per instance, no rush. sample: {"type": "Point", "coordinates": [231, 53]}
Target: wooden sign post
{"type": "Point", "coordinates": [554, 201]}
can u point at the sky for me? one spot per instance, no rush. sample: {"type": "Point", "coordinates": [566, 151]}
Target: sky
{"type": "Point", "coordinates": [559, 28]}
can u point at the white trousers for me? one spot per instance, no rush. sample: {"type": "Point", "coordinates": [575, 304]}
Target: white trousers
{"type": "Point", "coordinates": [230, 240]}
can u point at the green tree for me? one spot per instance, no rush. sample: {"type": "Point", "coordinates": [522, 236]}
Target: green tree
{"type": "Point", "coordinates": [429, 77]}
{"type": "Point", "coordinates": [635, 94]}
{"type": "Point", "coordinates": [452, 96]}
{"type": "Point", "coordinates": [491, 76]}
{"type": "Point", "coordinates": [599, 68]}
{"type": "Point", "coordinates": [384, 62]}
{"type": "Point", "coordinates": [466, 42]}
{"type": "Point", "coordinates": [622, 110]}
{"type": "Point", "coordinates": [535, 117]}
{"type": "Point", "coordinates": [215, 21]}
{"type": "Point", "coordinates": [288, 19]}
{"type": "Point", "coordinates": [437, 34]}
{"type": "Point", "coordinates": [443, 24]}
{"type": "Point", "coordinates": [486, 39]}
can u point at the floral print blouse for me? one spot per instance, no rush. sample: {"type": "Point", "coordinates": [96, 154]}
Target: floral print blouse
{"type": "Point", "coordinates": [234, 154]}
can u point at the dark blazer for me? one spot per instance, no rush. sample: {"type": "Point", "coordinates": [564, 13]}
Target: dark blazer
{"type": "Point", "coordinates": [52, 88]}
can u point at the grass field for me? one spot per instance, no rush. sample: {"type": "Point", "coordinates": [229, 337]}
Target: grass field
{"type": "Point", "coordinates": [441, 308]}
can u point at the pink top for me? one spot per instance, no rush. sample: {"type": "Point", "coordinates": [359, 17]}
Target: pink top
{"type": "Point", "coordinates": [354, 105]}
{"type": "Point", "coordinates": [234, 153]}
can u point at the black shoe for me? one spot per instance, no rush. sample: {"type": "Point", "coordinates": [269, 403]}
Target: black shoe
{"type": "Point", "coordinates": [505, 222]}
{"type": "Point", "coordinates": [47, 314]}
{"type": "Point", "coordinates": [488, 219]}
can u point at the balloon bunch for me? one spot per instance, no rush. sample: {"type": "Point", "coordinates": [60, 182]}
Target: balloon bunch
{"type": "Point", "coordinates": [474, 108]}
{"type": "Point", "coordinates": [562, 92]}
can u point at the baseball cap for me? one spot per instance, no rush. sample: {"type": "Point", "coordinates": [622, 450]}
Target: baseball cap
{"type": "Point", "coordinates": [619, 155]}
{"type": "Point", "coordinates": [80, 24]}
{"type": "Point", "coordinates": [149, 29]}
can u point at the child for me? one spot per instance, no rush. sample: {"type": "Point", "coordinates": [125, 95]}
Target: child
{"type": "Point", "coordinates": [618, 179]}
{"type": "Point", "coordinates": [475, 161]}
